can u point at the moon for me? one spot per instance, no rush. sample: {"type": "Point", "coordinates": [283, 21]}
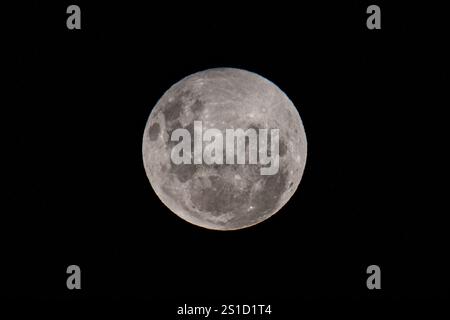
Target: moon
{"type": "Point", "coordinates": [223, 196]}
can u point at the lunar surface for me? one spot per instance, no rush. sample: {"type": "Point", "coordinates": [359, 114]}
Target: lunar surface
{"type": "Point", "coordinates": [224, 196]}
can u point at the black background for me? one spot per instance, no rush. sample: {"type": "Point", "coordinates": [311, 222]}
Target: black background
{"type": "Point", "coordinates": [78, 192]}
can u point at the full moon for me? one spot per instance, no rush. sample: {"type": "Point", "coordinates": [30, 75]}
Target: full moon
{"type": "Point", "coordinates": [224, 196]}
